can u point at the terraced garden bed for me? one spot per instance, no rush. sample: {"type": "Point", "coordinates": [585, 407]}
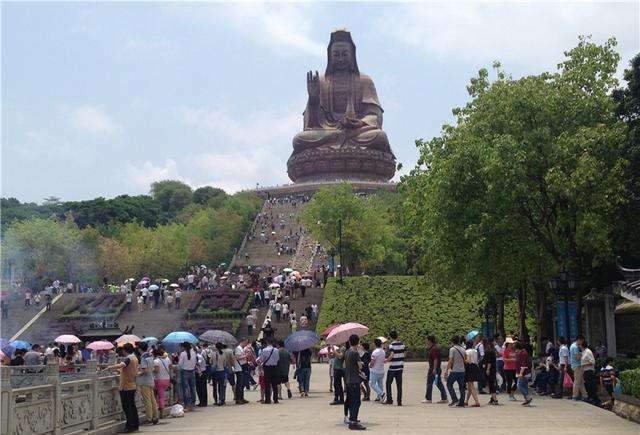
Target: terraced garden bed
{"type": "Point", "coordinates": [223, 303]}
{"type": "Point", "coordinates": [93, 307]}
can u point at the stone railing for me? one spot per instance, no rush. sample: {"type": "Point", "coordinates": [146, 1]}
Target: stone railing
{"type": "Point", "coordinates": [305, 253]}
{"type": "Point", "coordinates": [44, 400]}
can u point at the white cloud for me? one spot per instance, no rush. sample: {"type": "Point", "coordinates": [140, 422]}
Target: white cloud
{"type": "Point", "coordinates": [261, 128]}
{"type": "Point", "coordinates": [238, 170]}
{"type": "Point", "coordinates": [524, 34]}
{"type": "Point", "coordinates": [142, 176]}
{"type": "Point", "coordinates": [283, 27]}
{"type": "Point", "coordinates": [93, 120]}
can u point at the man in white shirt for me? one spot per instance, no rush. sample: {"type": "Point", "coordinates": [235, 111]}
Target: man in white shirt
{"type": "Point", "coordinates": [178, 296]}
{"type": "Point", "coordinates": [241, 369]}
{"type": "Point", "coordinates": [269, 360]}
{"type": "Point", "coordinates": [479, 347]}
{"type": "Point", "coordinates": [376, 366]}
{"type": "Point", "coordinates": [277, 308]}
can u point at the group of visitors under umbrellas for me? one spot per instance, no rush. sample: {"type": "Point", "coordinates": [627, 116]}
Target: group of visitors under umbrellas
{"type": "Point", "coordinates": [198, 366]}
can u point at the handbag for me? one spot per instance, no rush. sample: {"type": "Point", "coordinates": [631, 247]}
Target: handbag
{"type": "Point", "coordinates": [567, 382]}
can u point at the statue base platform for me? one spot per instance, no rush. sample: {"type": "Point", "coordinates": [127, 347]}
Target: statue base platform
{"type": "Point", "coordinates": [345, 163]}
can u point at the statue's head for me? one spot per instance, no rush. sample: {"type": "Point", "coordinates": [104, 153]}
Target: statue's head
{"type": "Point", "coordinates": [341, 53]}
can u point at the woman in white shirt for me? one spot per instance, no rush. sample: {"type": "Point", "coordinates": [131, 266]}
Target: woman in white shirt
{"type": "Point", "coordinates": [187, 362]}
{"type": "Point", "coordinates": [472, 372]}
{"type": "Point", "coordinates": [161, 374]}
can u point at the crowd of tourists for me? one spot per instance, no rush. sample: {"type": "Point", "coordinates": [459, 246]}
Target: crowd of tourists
{"type": "Point", "coordinates": [278, 228]}
{"type": "Point", "coordinates": [358, 371]}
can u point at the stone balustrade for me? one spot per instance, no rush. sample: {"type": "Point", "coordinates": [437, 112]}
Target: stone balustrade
{"type": "Point", "coordinates": [47, 400]}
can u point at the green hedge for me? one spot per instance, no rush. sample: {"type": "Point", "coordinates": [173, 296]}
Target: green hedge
{"type": "Point", "coordinates": [412, 305]}
{"type": "Point", "coordinates": [631, 382]}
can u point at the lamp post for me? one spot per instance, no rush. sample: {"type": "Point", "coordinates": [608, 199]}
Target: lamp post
{"type": "Point", "coordinates": [340, 249]}
{"type": "Point", "coordinates": [564, 282]}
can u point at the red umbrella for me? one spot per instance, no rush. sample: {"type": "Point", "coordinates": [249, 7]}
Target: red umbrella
{"type": "Point", "coordinates": [327, 331]}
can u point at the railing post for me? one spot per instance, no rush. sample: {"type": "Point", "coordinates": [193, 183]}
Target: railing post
{"type": "Point", "coordinates": [7, 402]}
{"type": "Point", "coordinates": [92, 373]}
{"type": "Point", "coordinates": [53, 378]}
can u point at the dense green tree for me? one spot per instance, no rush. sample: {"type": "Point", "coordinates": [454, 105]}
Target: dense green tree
{"type": "Point", "coordinates": [203, 195]}
{"type": "Point", "coordinates": [173, 195]}
{"type": "Point", "coordinates": [42, 250]}
{"type": "Point", "coordinates": [526, 183]}
{"type": "Point", "coordinates": [627, 233]}
{"type": "Point", "coordinates": [370, 241]}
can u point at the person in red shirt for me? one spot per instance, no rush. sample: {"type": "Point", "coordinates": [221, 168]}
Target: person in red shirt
{"type": "Point", "coordinates": [434, 371]}
{"type": "Point", "coordinates": [509, 356]}
{"type": "Point", "coordinates": [523, 368]}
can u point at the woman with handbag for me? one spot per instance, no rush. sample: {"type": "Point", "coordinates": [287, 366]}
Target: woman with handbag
{"type": "Point", "coordinates": [472, 372]}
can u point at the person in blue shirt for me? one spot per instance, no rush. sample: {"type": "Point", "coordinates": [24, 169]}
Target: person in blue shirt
{"type": "Point", "coordinates": [575, 356]}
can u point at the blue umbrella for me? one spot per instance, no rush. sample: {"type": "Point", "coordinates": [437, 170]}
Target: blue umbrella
{"type": "Point", "coordinates": [19, 344]}
{"type": "Point", "coordinates": [173, 341]}
{"type": "Point", "coordinates": [472, 334]}
{"type": "Point", "coordinates": [6, 347]}
{"type": "Point", "coordinates": [150, 340]}
{"type": "Point", "coordinates": [300, 340]}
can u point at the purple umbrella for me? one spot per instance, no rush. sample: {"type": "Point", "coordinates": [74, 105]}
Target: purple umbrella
{"type": "Point", "coordinates": [300, 340]}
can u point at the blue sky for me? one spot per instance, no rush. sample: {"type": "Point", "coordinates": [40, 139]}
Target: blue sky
{"type": "Point", "coordinates": [101, 99]}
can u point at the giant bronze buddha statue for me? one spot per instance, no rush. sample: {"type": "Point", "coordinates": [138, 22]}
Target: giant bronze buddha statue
{"type": "Point", "coordinates": [342, 136]}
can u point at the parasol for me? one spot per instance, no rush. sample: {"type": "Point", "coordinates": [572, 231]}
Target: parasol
{"type": "Point", "coordinates": [100, 345]}
{"type": "Point", "coordinates": [341, 334]}
{"type": "Point", "coordinates": [67, 339]}
{"type": "Point", "coordinates": [328, 330]}
{"type": "Point", "coordinates": [127, 338]}
{"type": "Point", "coordinates": [300, 340]}
{"type": "Point", "coordinates": [218, 336]}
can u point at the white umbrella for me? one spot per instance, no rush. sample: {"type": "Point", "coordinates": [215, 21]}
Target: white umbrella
{"type": "Point", "coordinates": [274, 285]}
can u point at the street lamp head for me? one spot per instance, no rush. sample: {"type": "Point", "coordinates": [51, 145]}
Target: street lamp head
{"type": "Point", "coordinates": [553, 284]}
{"type": "Point", "coordinates": [571, 283]}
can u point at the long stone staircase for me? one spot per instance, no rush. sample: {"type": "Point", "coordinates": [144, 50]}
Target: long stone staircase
{"type": "Point", "coordinates": [278, 224]}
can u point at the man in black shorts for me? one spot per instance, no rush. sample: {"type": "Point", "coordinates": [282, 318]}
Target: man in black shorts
{"type": "Point", "coordinates": [284, 361]}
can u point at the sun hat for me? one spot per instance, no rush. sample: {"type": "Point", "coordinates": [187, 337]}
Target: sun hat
{"type": "Point", "coordinates": [509, 340]}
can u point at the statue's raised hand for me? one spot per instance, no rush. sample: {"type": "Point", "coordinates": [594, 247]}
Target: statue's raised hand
{"type": "Point", "coordinates": [313, 85]}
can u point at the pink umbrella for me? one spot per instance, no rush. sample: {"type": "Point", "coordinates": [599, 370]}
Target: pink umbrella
{"type": "Point", "coordinates": [67, 339]}
{"type": "Point", "coordinates": [100, 345]}
{"type": "Point", "coordinates": [340, 334]}
{"type": "Point", "coordinates": [325, 350]}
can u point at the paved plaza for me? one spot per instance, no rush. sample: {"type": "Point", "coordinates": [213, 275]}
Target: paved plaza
{"type": "Point", "coordinates": [315, 416]}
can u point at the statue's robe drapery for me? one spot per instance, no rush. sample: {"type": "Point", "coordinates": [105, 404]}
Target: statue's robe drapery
{"type": "Point", "coordinates": [357, 100]}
